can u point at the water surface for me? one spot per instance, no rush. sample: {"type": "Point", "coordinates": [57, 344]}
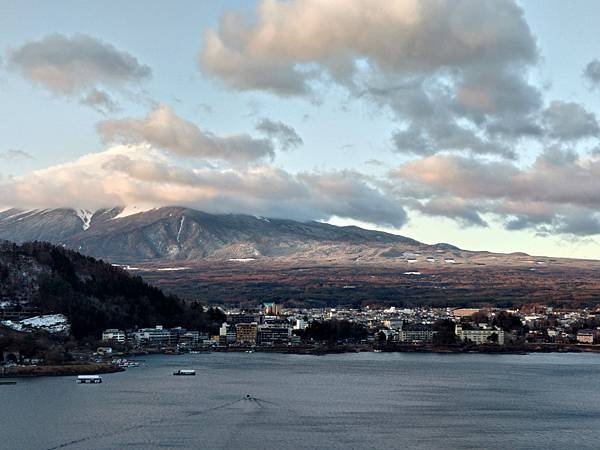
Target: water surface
{"type": "Point", "coordinates": [349, 401]}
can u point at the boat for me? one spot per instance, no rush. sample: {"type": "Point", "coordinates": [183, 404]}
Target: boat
{"type": "Point", "coordinates": [185, 372]}
{"type": "Point", "coordinates": [7, 383]}
{"type": "Point", "coordinates": [89, 379]}
{"type": "Point", "coordinates": [377, 351]}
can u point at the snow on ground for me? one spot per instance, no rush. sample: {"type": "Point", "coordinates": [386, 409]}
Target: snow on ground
{"type": "Point", "coordinates": [20, 213]}
{"type": "Point", "coordinates": [53, 323]}
{"type": "Point", "coordinates": [126, 267]}
{"type": "Point", "coordinates": [412, 273]}
{"type": "Point", "coordinates": [242, 259]}
{"type": "Point", "coordinates": [131, 210]}
{"type": "Point", "coordinates": [85, 216]}
{"type": "Point", "coordinates": [172, 269]}
{"type": "Point", "coordinates": [450, 261]}
{"type": "Point", "coordinates": [180, 228]}
{"type": "Point", "coordinates": [13, 325]}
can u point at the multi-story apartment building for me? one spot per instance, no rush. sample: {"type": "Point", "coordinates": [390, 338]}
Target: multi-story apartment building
{"type": "Point", "coordinates": [480, 335]}
{"type": "Point", "coordinates": [246, 333]}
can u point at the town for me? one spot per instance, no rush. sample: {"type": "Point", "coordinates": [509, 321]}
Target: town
{"type": "Point", "coordinates": [275, 328]}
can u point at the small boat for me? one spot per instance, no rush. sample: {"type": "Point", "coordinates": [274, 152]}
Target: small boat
{"type": "Point", "coordinates": [89, 379]}
{"type": "Point", "coordinates": [376, 351]}
{"type": "Point", "coordinates": [187, 372]}
{"type": "Point", "coordinates": [7, 383]}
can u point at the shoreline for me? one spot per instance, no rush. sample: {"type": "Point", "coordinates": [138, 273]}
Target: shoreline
{"type": "Point", "coordinates": [319, 350]}
{"type": "Point", "coordinates": [93, 368]}
{"type": "Point", "coordinates": [58, 370]}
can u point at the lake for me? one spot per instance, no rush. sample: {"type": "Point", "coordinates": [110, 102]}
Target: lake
{"type": "Point", "coordinates": [348, 401]}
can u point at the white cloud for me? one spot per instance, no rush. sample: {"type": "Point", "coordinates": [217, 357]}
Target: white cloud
{"type": "Point", "coordinates": [133, 175]}
{"type": "Point", "coordinates": [164, 129]}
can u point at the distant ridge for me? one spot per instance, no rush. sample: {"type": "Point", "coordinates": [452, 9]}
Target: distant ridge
{"type": "Point", "coordinates": [184, 234]}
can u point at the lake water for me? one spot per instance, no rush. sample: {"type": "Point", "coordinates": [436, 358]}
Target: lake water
{"type": "Point", "coordinates": [349, 401]}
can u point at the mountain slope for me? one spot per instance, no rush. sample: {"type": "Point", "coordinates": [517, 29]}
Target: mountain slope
{"type": "Point", "coordinates": [92, 294]}
{"type": "Point", "coordinates": [183, 234]}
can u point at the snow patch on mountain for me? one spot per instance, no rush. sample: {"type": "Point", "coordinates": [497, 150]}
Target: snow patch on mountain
{"type": "Point", "coordinates": [131, 210]}
{"type": "Point", "coordinates": [85, 216]}
{"type": "Point", "coordinates": [52, 323]}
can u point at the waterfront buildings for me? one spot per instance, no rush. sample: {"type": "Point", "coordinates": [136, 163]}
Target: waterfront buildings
{"type": "Point", "coordinates": [114, 335]}
{"type": "Point", "coordinates": [246, 333]}
{"type": "Point", "coordinates": [480, 335]}
{"type": "Point", "coordinates": [416, 333]}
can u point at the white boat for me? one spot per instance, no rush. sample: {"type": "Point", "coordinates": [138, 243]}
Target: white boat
{"type": "Point", "coordinates": [187, 372]}
{"type": "Point", "coordinates": [89, 379]}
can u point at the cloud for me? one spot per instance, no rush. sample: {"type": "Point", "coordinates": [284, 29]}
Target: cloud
{"type": "Point", "coordinates": [76, 65]}
{"type": "Point", "coordinates": [162, 128]}
{"type": "Point", "coordinates": [342, 37]}
{"type": "Point", "coordinates": [557, 192]}
{"type": "Point", "coordinates": [100, 101]}
{"type": "Point", "coordinates": [286, 136]}
{"type": "Point", "coordinates": [570, 121]}
{"type": "Point", "coordinates": [141, 174]}
{"type": "Point", "coordinates": [591, 73]}
{"type": "Point", "coordinates": [454, 72]}
{"type": "Point", "coordinates": [15, 155]}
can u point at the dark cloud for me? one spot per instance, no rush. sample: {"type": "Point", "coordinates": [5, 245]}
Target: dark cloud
{"type": "Point", "coordinates": [283, 134]}
{"type": "Point", "coordinates": [100, 101]}
{"type": "Point", "coordinates": [592, 73]}
{"type": "Point", "coordinates": [15, 155]}
{"type": "Point", "coordinates": [569, 121]}
{"type": "Point", "coordinates": [558, 192]}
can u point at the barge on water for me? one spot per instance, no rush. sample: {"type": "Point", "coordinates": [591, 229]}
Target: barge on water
{"type": "Point", "coordinates": [185, 372]}
{"type": "Point", "coordinates": [89, 379]}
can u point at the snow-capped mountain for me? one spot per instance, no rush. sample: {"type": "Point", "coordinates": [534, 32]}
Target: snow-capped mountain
{"type": "Point", "coordinates": [177, 233]}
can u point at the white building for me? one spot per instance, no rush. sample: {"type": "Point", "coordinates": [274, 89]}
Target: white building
{"type": "Point", "coordinates": [300, 324]}
{"type": "Point", "coordinates": [480, 335]}
{"type": "Point", "coordinates": [113, 334]}
{"type": "Point", "coordinates": [157, 335]}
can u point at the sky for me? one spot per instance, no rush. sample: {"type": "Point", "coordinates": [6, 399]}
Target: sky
{"type": "Point", "coordinates": [465, 121]}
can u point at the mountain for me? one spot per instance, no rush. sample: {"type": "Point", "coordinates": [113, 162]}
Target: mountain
{"type": "Point", "coordinates": [93, 295]}
{"type": "Point", "coordinates": [241, 259]}
{"type": "Point", "coordinates": [183, 234]}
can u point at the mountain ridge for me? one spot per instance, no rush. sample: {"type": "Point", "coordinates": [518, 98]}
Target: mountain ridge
{"type": "Point", "coordinates": [183, 234]}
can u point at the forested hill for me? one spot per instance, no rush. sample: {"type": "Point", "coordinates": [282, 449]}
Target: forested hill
{"type": "Point", "coordinates": [94, 295]}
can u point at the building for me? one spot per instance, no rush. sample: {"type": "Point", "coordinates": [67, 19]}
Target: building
{"type": "Point", "coordinates": [393, 324]}
{"type": "Point", "coordinates": [273, 335]}
{"type": "Point", "coordinates": [300, 324]}
{"type": "Point", "coordinates": [236, 318]}
{"type": "Point", "coordinates": [480, 335]}
{"type": "Point", "coordinates": [587, 336]}
{"type": "Point", "coordinates": [246, 333]}
{"type": "Point", "coordinates": [416, 333]}
{"type": "Point", "coordinates": [189, 339]}
{"type": "Point", "coordinates": [272, 309]}
{"type": "Point", "coordinates": [228, 333]}
{"type": "Point", "coordinates": [465, 312]}
{"type": "Point", "coordinates": [157, 336]}
{"type": "Point", "coordinates": [112, 334]}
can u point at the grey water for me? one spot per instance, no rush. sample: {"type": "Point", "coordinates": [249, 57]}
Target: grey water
{"type": "Point", "coordinates": [349, 401]}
